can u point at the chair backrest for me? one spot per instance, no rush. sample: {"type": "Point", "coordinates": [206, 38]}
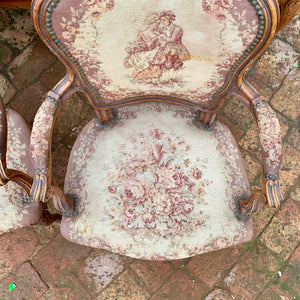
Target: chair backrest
{"type": "Point", "coordinates": [191, 53]}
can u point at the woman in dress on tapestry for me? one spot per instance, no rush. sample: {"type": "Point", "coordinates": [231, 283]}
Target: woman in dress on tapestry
{"type": "Point", "coordinates": [158, 53]}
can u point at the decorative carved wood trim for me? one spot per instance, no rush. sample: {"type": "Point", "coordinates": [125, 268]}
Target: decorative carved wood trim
{"type": "Point", "coordinates": [253, 204]}
{"type": "Point", "coordinates": [40, 187]}
{"type": "Point", "coordinates": [271, 189]}
{"type": "Point", "coordinates": [270, 195]}
{"type": "Point", "coordinates": [67, 205]}
{"type": "Point", "coordinates": [288, 10]}
{"type": "Point", "coordinates": [206, 118]}
{"type": "Point", "coordinates": [15, 3]}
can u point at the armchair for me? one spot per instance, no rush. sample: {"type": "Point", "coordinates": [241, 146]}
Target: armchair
{"type": "Point", "coordinates": [154, 175]}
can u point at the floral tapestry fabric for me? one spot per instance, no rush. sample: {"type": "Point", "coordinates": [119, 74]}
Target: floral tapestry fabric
{"type": "Point", "coordinates": [40, 135]}
{"type": "Point", "coordinates": [169, 48]}
{"type": "Point", "coordinates": [156, 186]}
{"type": "Point", "coordinates": [270, 138]}
{"type": "Point", "coordinates": [14, 213]}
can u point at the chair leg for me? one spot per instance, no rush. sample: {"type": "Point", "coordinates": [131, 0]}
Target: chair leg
{"type": "Point", "coordinates": [47, 218]}
{"type": "Point", "coordinates": [68, 205]}
{"type": "Point", "coordinates": [252, 204]}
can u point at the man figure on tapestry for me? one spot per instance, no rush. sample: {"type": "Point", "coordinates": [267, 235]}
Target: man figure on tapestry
{"type": "Point", "coordinates": [158, 52]}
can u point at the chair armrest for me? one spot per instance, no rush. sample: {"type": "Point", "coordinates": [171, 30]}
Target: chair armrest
{"type": "Point", "coordinates": [6, 175]}
{"type": "Point", "coordinates": [40, 147]}
{"type": "Point", "coordinates": [270, 139]}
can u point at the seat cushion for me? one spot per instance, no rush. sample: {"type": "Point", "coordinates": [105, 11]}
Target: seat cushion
{"type": "Point", "coordinates": [156, 186]}
{"type": "Point", "coordinates": [14, 212]}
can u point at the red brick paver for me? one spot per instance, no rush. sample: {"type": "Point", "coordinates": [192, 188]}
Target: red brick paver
{"type": "Point", "coordinates": [99, 269]}
{"type": "Point", "coordinates": [252, 273]}
{"type": "Point", "coordinates": [58, 259]}
{"type": "Point", "coordinates": [153, 274]}
{"type": "Point", "coordinates": [181, 286]}
{"type": "Point", "coordinates": [27, 284]}
{"type": "Point", "coordinates": [15, 248]}
{"type": "Point", "coordinates": [211, 267]}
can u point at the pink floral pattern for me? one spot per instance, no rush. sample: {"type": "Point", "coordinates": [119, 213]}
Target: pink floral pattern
{"type": "Point", "coordinates": [152, 192]}
{"type": "Point", "coordinates": [157, 195]}
{"type": "Point", "coordinates": [270, 138]}
{"type": "Point", "coordinates": [239, 11]}
{"type": "Point", "coordinates": [14, 213]}
{"type": "Point", "coordinates": [40, 135]}
{"type": "Point", "coordinates": [84, 28]}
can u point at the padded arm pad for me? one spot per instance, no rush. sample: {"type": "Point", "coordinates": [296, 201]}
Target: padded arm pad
{"type": "Point", "coordinates": [40, 147]}
{"type": "Point", "coordinates": [270, 139]}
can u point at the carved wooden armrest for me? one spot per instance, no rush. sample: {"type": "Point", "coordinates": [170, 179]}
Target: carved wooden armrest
{"type": "Point", "coordinates": [270, 139]}
{"type": "Point", "coordinates": [40, 147]}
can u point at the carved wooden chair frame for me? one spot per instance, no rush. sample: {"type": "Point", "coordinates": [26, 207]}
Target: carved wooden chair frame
{"type": "Point", "coordinates": [269, 14]}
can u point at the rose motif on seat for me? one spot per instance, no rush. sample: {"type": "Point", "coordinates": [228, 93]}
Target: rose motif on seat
{"type": "Point", "coordinates": [136, 165]}
{"type": "Point", "coordinates": [153, 190]}
{"type": "Point", "coordinates": [135, 191]}
{"type": "Point", "coordinates": [171, 178]}
{"type": "Point", "coordinates": [196, 173]}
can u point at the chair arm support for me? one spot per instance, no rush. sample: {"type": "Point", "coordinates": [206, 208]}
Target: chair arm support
{"type": "Point", "coordinates": [270, 139]}
{"type": "Point", "coordinates": [40, 148]}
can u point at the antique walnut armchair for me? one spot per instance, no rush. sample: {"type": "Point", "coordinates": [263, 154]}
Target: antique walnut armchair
{"type": "Point", "coordinates": [154, 175]}
{"type": "Point", "coordinates": [16, 209]}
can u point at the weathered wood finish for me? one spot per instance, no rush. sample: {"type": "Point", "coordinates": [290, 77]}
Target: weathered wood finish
{"type": "Point", "coordinates": [15, 4]}
{"type": "Point", "coordinates": [253, 204]}
{"type": "Point", "coordinates": [288, 10]}
{"type": "Point", "coordinates": [63, 203]}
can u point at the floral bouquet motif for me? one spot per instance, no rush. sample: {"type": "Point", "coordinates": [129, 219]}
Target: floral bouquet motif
{"type": "Point", "coordinates": [154, 193]}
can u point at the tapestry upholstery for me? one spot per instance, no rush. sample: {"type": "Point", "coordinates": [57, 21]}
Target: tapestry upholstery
{"type": "Point", "coordinates": [178, 49]}
{"type": "Point", "coordinates": [14, 212]}
{"type": "Point", "coordinates": [155, 185]}
{"type": "Point", "coordinates": [270, 138]}
{"type": "Point", "coordinates": [40, 135]}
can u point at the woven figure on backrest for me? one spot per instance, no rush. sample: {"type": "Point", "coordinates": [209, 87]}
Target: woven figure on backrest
{"type": "Point", "coordinates": [155, 176]}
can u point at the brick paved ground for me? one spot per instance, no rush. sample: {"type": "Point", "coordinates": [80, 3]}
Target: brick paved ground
{"type": "Point", "coordinates": [44, 265]}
